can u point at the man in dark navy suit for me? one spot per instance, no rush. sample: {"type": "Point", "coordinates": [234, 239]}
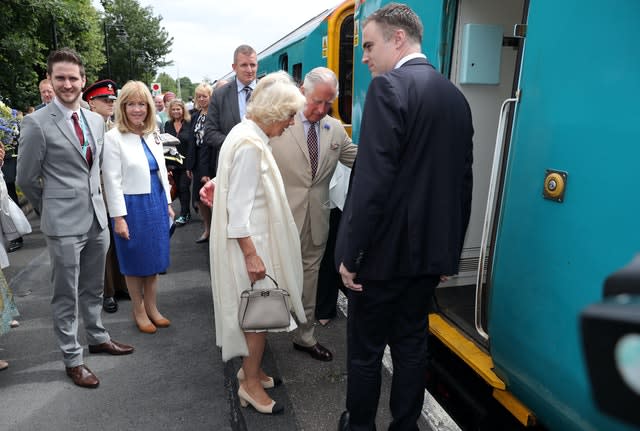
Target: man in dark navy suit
{"type": "Point", "coordinates": [405, 218]}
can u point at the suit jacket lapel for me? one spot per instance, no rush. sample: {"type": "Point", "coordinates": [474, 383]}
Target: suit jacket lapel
{"type": "Point", "coordinates": [58, 118]}
{"type": "Point", "coordinates": [323, 144]}
{"type": "Point", "coordinates": [232, 100]}
{"type": "Point", "coordinates": [297, 131]}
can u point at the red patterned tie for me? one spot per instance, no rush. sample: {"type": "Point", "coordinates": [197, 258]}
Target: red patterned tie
{"type": "Point", "coordinates": [80, 135]}
{"type": "Point", "coordinates": [312, 143]}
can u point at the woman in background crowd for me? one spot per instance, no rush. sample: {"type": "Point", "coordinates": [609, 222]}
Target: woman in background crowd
{"type": "Point", "coordinates": [179, 125]}
{"type": "Point", "coordinates": [139, 201]}
{"type": "Point", "coordinates": [8, 310]}
{"type": "Point", "coordinates": [198, 159]}
{"type": "Point", "coordinates": [254, 232]}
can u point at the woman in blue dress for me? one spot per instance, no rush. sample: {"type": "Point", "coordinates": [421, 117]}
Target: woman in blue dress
{"type": "Point", "coordinates": [139, 201]}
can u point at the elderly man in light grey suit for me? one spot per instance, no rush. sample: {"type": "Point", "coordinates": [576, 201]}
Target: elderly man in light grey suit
{"type": "Point", "coordinates": [59, 162]}
{"type": "Point", "coordinates": [307, 154]}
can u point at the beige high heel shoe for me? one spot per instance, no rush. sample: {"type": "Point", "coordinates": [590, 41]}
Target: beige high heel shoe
{"type": "Point", "coordinates": [272, 408]}
{"type": "Point", "coordinates": [271, 382]}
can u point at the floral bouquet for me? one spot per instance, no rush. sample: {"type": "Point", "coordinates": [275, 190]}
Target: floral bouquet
{"type": "Point", "coordinates": [9, 129]}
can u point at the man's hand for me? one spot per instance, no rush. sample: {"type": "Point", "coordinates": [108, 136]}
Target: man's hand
{"type": "Point", "coordinates": [348, 279]}
{"type": "Point", "coordinates": [206, 193]}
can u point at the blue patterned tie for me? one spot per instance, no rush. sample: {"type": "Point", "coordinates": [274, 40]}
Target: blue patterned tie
{"type": "Point", "coordinates": [247, 90]}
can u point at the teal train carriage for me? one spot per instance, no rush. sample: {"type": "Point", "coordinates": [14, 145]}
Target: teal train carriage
{"type": "Point", "coordinates": [553, 87]}
{"type": "Point", "coordinates": [325, 40]}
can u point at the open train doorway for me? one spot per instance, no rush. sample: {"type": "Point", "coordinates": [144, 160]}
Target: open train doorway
{"type": "Point", "coordinates": [486, 43]}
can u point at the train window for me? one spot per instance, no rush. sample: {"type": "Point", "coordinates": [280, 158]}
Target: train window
{"type": "Point", "coordinates": [297, 73]}
{"type": "Point", "coordinates": [345, 67]}
{"type": "Point", "coordinates": [284, 62]}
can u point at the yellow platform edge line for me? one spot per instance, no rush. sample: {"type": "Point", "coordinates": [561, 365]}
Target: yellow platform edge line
{"type": "Point", "coordinates": [478, 360]}
{"type": "Point", "coordinates": [482, 364]}
{"type": "Point", "coordinates": [517, 409]}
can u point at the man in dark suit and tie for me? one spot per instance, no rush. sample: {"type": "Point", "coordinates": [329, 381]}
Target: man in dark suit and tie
{"type": "Point", "coordinates": [229, 103]}
{"type": "Point", "coordinates": [405, 218]}
{"type": "Point", "coordinates": [59, 162]}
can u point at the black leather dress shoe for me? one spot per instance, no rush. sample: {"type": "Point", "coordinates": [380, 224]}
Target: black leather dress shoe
{"type": "Point", "coordinates": [109, 305]}
{"type": "Point", "coordinates": [317, 351]}
{"type": "Point", "coordinates": [111, 347]}
{"type": "Point", "coordinates": [343, 425]}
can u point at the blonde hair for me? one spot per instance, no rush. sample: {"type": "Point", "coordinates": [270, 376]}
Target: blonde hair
{"type": "Point", "coordinates": [185, 113]}
{"type": "Point", "coordinates": [135, 90]}
{"type": "Point", "coordinates": [204, 88]}
{"type": "Point", "coordinates": [274, 99]}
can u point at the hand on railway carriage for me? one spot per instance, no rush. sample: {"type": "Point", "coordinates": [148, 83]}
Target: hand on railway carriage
{"type": "Point", "coordinates": [348, 279]}
{"type": "Point", "coordinates": [444, 278]}
{"type": "Point", "coordinates": [206, 193]}
{"type": "Point", "coordinates": [121, 228]}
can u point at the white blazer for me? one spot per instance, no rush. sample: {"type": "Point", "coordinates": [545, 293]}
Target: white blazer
{"type": "Point", "coordinates": [125, 169]}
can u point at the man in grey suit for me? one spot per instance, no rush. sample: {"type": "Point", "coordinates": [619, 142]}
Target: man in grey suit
{"type": "Point", "coordinates": [228, 104]}
{"type": "Point", "coordinates": [59, 162]}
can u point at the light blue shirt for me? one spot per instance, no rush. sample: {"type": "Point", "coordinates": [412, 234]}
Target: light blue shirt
{"type": "Point", "coordinates": [242, 96]}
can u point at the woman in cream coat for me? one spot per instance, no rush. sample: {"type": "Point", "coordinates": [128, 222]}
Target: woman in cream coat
{"type": "Point", "coordinates": [138, 197]}
{"type": "Point", "coordinates": [253, 231]}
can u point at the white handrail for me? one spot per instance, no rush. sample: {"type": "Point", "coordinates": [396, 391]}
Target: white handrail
{"type": "Point", "coordinates": [489, 214]}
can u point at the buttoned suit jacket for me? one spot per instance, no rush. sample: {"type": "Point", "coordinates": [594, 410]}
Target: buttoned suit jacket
{"type": "Point", "coordinates": [410, 198]}
{"type": "Point", "coordinates": [291, 153]}
{"type": "Point", "coordinates": [222, 115]}
{"type": "Point", "coordinates": [54, 175]}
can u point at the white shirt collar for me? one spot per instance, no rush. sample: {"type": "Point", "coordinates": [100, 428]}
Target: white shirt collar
{"type": "Point", "coordinates": [403, 60]}
{"type": "Point", "coordinates": [66, 112]}
{"type": "Point", "coordinates": [240, 86]}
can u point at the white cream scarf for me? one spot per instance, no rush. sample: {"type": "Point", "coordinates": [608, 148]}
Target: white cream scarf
{"type": "Point", "coordinates": [282, 228]}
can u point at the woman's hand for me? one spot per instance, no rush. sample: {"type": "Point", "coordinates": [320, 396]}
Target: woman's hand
{"type": "Point", "coordinates": [206, 193]}
{"type": "Point", "coordinates": [121, 228]}
{"type": "Point", "coordinates": [255, 267]}
{"type": "Point", "coordinates": [253, 262]}
{"type": "Point", "coordinates": [172, 213]}
{"type": "Point", "coordinates": [189, 174]}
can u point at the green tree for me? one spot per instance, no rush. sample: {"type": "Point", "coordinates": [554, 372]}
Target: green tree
{"type": "Point", "coordinates": [136, 40]}
{"type": "Point", "coordinates": [187, 88]}
{"type": "Point", "coordinates": [166, 82]}
{"type": "Point", "coordinates": [30, 29]}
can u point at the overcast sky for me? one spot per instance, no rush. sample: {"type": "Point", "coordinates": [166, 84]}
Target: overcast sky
{"type": "Point", "coordinates": [205, 32]}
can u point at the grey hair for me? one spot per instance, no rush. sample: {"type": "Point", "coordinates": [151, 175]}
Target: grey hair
{"type": "Point", "coordinates": [397, 16]}
{"type": "Point", "coordinates": [275, 98]}
{"type": "Point", "coordinates": [244, 50]}
{"type": "Point", "coordinates": [320, 75]}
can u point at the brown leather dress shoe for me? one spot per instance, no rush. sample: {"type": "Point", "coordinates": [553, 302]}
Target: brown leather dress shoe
{"type": "Point", "coordinates": [317, 351]}
{"type": "Point", "coordinates": [111, 347]}
{"type": "Point", "coordinates": [82, 376]}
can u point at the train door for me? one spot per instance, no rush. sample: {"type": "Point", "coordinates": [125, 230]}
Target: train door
{"type": "Point", "coordinates": [483, 61]}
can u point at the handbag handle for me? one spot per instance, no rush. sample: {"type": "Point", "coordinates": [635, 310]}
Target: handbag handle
{"type": "Point", "coordinates": [274, 282]}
